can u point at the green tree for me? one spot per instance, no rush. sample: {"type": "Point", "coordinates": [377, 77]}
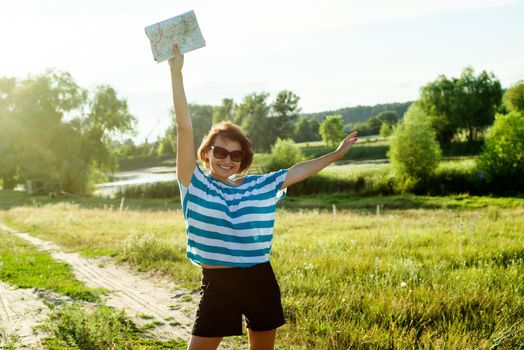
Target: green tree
{"type": "Point", "coordinates": [389, 117]}
{"type": "Point", "coordinates": [386, 130]}
{"type": "Point", "coordinates": [437, 100]}
{"type": "Point", "coordinates": [201, 119]}
{"type": "Point", "coordinates": [226, 111]}
{"type": "Point", "coordinates": [514, 98]}
{"type": "Point", "coordinates": [284, 113]}
{"type": "Point", "coordinates": [477, 99]}
{"type": "Point", "coordinates": [53, 140]}
{"type": "Point", "coordinates": [252, 115]}
{"type": "Point", "coordinates": [414, 152]}
{"type": "Point", "coordinates": [9, 168]}
{"type": "Point", "coordinates": [362, 127]}
{"type": "Point", "coordinates": [374, 125]}
{"type": "Point", "coordinates": [467, 103]}
{"type": "Point", "coordinates": [284, 154]}
{"type": "Point", "coordinates": [41, 103]}
{"type": "Point", "coordinates": [332, 130]}
{"type": "Point", "coordinates": [502, 159]}
{"type": "Point", "coordinates": [306, 129]}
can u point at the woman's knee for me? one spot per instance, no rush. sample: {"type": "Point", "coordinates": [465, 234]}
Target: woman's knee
{"type": "Point", "coordinates": [203, 343]}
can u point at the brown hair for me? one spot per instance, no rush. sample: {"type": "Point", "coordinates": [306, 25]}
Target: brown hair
{"type": "Point", "coordinates": [230, 132]}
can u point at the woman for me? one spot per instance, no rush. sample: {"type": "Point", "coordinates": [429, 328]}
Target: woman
{"type": "Point", "coordinates": [230, 226]}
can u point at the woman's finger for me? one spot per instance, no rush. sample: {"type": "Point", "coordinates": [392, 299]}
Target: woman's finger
{"type": "Point", "coordinates": [176, 49]}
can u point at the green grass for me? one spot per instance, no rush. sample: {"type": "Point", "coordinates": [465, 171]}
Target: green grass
{"type": "Point", "coordinates": [79, 326]}
{"type": "Point", "coordinates": [426, 272]}
{"type": "Point", "coordinates": [403, 279]}
{"type": "Point", "coordinates": [24, 266]}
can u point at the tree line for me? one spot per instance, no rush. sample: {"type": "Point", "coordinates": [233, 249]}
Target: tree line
{"type": "Point", "coordinates": [58, 134]}
{"type": "Point", "coordinates": [469, 108]}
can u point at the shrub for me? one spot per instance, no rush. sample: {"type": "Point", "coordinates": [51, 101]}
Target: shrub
{"type": "Point", "coordinates": [154, 190]}
{"type": "Point", "coordinates": [284, 154]}
{"type": "Point", "coordinates": [332, 130]}
{"type": "Point", "coordinates": [414, 152]}
{"type": "Point", "coordinates": [502, 158]}
{"type": "Point", "coordinates": [514, 98]}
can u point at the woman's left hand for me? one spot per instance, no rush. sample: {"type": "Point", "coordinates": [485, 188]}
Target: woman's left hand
{"type": "Point", "coordinates": [346, 144]}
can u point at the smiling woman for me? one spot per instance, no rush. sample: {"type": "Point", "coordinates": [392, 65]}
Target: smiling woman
{"type": "Point", "coordinates": [230, 223]}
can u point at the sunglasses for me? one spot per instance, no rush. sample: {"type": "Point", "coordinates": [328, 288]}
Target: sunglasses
{"type": "Point", "coordinates": [222, 153]}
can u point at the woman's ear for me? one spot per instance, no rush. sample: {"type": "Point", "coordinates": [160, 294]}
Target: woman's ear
{"type": "Point", "coordinates": [204, 156]}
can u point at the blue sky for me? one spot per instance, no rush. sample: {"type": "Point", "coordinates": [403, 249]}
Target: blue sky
{"type": "Point", "coordinates": [332, 53]}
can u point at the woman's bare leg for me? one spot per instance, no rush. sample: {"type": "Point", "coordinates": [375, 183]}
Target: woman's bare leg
{"type": "Point", "coordinates": [262, 340]}
{"type": "Point", "coordinates": [203, 343]}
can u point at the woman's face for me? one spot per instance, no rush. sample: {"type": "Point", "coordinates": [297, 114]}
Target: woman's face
{"type": "Point", "coordinates": [224, 168]}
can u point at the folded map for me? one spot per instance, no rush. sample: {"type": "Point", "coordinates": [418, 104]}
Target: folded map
{"type": "Point", "coordinates": [182, 29]}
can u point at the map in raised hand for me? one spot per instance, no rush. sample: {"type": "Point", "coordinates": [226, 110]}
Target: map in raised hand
{"type": "Point", "coordinates": [182, 29]}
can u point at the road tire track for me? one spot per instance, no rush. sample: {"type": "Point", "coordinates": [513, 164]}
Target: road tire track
{"type": "Point", "coordinates": [20, 310]}
{"type": "Point", "coordinates": [170, 307]}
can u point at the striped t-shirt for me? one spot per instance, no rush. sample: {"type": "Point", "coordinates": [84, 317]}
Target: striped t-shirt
{"type": "Point", "coordinates": [230, 225]}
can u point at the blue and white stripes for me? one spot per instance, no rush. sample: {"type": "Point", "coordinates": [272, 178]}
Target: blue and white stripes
{"type": "Point", "coordinates": [230, 225]}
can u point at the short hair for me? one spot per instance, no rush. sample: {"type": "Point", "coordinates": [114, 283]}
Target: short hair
{"type": "Point", "coordinates": [231, 132]}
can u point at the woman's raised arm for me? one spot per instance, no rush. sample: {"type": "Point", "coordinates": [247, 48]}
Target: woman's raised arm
{"type": "Point", "coordinates": [185, 145]}
{"type": "Point", "coordinates": [303, 170]}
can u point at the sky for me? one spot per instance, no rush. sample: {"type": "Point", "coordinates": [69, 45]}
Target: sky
{"type": "Point", "coordinates": [331, 53]}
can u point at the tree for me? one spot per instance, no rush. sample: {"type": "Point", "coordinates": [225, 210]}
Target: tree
{"type": "Point", "coordinates": [513, 98]}
{"type": "Point", "coordinates": [41, 102]}
{"type": "Point", "coordinates": [467, 103]}
{"type": "Point", "coordinates": [362, 127]}
{"type": "Point", "coordinates": [386, 130]}
{"type": "Point", "coordinates": [306, 129]}
{"type": "Point", "coordinates": [252, 115]}
{"type": "Point", "coordinates": [52, 139]}
{"type": "Point", "coordinates": [284, 154]}
{"type": "Point", "coordinates": [224, 112]}
{"type": "Point", "coordinates": [374, 125]}
{"type": "Point", "coordinates": [284, 113]}
{"type": "Point", "coordinates": [332, 130]}
{"type": "Point", "coordinates": [502, 158]}
{"type": "Point", "coordinates": [201, 119]}
{"type": "Point", "coordinates": [476, 101]}
{"type": "Point", "coordinates": [9, 168]}
{"type": "Point", "coordinates": [414, 152]}
{"type": "Point", "coordinates": [437, 101]}
{"type": "Point", "coordinates": [389, 117]}
{"type": "Point", "coordinates": [109, 114]}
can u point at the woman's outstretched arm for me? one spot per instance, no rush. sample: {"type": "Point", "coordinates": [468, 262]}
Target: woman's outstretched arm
{"type": "Point", "coordinates": [185, 145]}
{"type": "Point", "coordinates": [303, 170]}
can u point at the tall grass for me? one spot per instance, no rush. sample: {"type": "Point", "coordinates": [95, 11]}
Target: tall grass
{"type": "Point", "coordinates": [417, 278]}
{"type": "Point", "coordinates": [78, 326]}
{"type": "Point", "coordinates": [451, 177]}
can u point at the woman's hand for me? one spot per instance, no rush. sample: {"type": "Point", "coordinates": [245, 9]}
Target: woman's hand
{"type": "Point", "coordinates": [303, 170]}
{"type": "Point", "coordinates": [176, 62]}
{"type": "Point", "coordinates": [346, 144]}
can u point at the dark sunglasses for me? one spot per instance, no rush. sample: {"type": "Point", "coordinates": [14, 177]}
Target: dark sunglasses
{"type": "Point", "coordinates": [222, 153]}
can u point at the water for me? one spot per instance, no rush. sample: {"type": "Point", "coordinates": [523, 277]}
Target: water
{"type": "Point", "coordinates": [134, 178]}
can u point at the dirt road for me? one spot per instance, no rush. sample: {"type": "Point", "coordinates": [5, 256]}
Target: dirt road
{"type": "Point", "coordinates": [144, 298]}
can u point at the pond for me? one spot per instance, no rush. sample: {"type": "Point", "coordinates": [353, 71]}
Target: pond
{"type": "Point", "coordinates": [133, 178]}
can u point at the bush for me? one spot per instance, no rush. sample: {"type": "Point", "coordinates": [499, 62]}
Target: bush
{"type": "Point", "coordinates": [154, 190]}
{"type": "Point", "coordinates": [284, 154]}
{"type": "Point", "coordinates": [414, 152]}
{"type": "Point", "coordinates": [513, 98]}
{"type": "Point", "coordinates": [78, 326]}
{"type": "Point", "coordinates": [502, 159]}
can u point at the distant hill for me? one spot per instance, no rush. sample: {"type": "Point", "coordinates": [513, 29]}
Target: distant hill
{"type": "Point", "coordinates": [362, 113]}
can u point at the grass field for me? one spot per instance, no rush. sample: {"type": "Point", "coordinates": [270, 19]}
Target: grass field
{"type": "Point", "coordinates": [419, 272]}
